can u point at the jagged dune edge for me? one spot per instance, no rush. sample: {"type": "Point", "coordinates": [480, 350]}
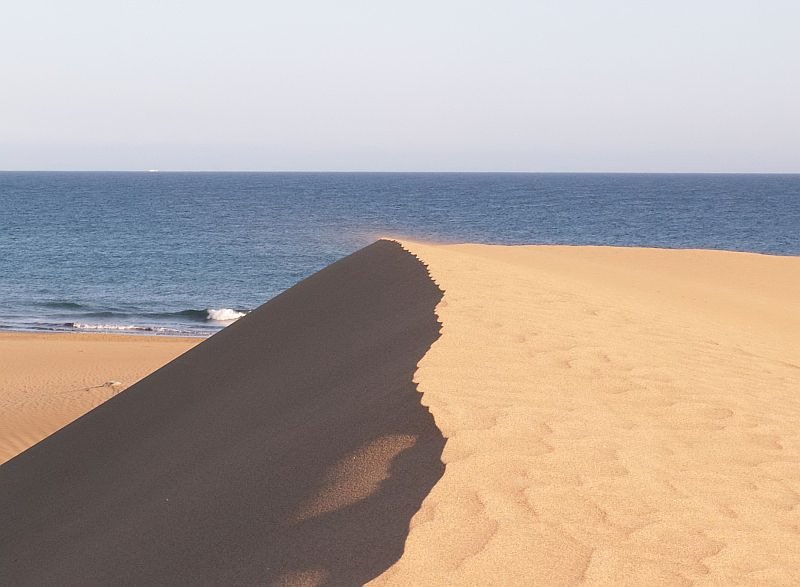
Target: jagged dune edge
{"type": "Point", "coordinates": [426, 396]}
{"type": "Point", "coordinates": [718, 514]}
{"type": "Point", "coordinates": [427, 509]}
{"type": "Point", "coordinates": [404, 244]}
{"type": "Point", "coordinates": [333, 429]}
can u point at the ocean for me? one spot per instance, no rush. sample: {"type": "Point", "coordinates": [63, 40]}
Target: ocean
{"type": "Point", "coordinates": [187, 253]}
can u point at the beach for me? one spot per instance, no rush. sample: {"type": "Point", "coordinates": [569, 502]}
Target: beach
{"type": "Point", "coordinates": [427, 414]}
{"type": "Point", "coordinates": [49, 380]}
{"type": "Point", "coordinates": [289, 448]}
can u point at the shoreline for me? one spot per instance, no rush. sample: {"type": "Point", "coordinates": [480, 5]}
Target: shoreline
{"type": "Point", "coordinates": [291, 448]}
{"type": "Point", "coordinates": [110, 335]}
{"type": "Point", "coordinates": [133, 330]}
{"type": "Point", "coordinates": [428, 414]}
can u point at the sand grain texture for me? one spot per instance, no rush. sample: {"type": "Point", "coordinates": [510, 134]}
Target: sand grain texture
{"type": "Point", "coordinates": [49, 380]}
{"type": "Point", "coordinates": [613, 417]}
{"type": "Point", "coordinates": [290, 448]}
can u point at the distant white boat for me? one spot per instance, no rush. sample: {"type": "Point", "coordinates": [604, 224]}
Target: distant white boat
{"type": "Point", "coordinates": [152, 171]}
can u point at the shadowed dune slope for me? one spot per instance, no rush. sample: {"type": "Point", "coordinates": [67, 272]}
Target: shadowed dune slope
{"type": "Point", "coordinates": [289, 448]}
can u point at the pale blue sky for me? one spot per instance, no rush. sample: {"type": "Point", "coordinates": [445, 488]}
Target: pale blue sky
{"type": "Point", "coordinates": [558, 85]}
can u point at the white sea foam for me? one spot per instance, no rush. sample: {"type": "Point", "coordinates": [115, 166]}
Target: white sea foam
{"type": "Point", "coordinates": [224, 314]}
{"type": "Point", "coordinates": [122, 327]}
{"type": "Point", "coordinates": [83, 326]}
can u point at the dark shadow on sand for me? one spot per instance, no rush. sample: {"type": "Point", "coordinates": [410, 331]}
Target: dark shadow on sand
{"type": "Point", "coordinates": [196, 475]}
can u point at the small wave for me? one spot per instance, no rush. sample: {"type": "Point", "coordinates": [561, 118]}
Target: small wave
{"type": "Point", "coordinates": [61, 305]}
{"type": "Point", "coordinates": [224, 314]}
{"type": "Point", "coordinates": [106, 314]}
{"type": "Point", "coordinates": [206, 315]}
{"type": "Point", "coordinates": [209, 314]}
{"type": "Point", "coordinates": [201, 315]}
{"type": "Point", "coordinates": [122, 327]}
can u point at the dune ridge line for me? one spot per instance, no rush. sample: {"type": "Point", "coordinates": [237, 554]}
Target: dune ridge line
{"type": "Point", "coordinates": [614, 416]}
{"type": "Point", "coordinates": [290, 448]}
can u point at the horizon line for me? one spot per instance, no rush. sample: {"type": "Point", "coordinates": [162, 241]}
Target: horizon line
{"type": "Point", "coordinates": [409, 172]}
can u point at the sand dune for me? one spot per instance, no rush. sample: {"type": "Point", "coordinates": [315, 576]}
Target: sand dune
{"type": "Point", "coordinates": [613, 416]}
{"type": "Point", "coordinates": [289, 448]}
{"type": "Point", "coordinates": [48, 380]}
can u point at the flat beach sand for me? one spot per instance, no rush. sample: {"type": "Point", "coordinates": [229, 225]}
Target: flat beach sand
{"type": "Point", "coordinates": [421, 414]}
{"type": "Point", "coordinates": [48, 380]}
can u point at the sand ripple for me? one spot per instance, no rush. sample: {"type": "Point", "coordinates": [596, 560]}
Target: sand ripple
{"type": "Point", "coordinates": [613, 416]}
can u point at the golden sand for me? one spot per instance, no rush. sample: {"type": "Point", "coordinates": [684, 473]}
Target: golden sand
{"type": "Point", "coordinates": [291, 447]}
{"type": "Point", "coordinates": [48, 380]}
{"type": "Point", "coordinates": [613, 416]}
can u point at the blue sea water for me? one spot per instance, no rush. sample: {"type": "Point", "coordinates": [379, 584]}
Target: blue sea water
{"type": "Point", "coordinates": [183, 253]}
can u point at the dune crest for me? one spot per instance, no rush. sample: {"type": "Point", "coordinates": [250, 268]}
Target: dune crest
{"type": "Point", "coordinates": [613, 416]}
{"type": "Point", "coordinates": [290, 448]}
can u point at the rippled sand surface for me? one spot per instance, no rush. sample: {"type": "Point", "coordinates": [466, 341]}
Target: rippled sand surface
{"type": "Point", "coordinates": [613, 416]}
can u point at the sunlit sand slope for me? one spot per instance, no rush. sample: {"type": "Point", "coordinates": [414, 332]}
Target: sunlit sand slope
{"type": "Point", "coordinates": [48, 380]}
{"type": "Point", "coordinates": [613, 416]}
{"type": "Point", "coordinates": [290, 448]}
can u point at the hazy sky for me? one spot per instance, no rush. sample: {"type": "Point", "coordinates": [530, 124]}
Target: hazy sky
{"type": "Point", "coordinates": [557, 85]}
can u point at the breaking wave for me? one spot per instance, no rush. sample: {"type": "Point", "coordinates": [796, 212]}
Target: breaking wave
{"type": "Point", "coordinates": [123, 328]}
{"type": "Point", "coordinates": [224, 315]}
{"type": "Point", "coordinates": [67, 315]}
